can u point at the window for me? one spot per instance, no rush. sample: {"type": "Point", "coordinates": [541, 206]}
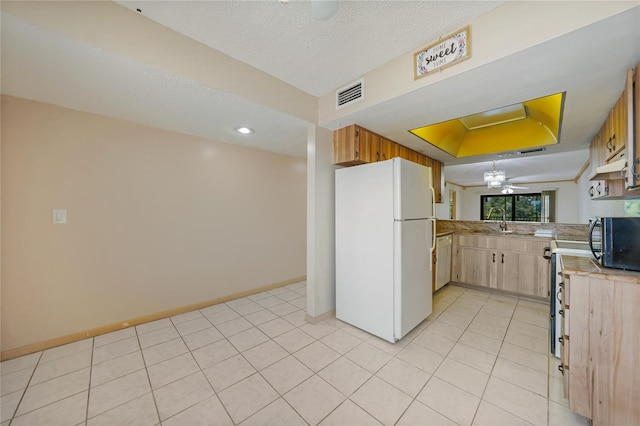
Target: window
{"type": "Point", "coordinates": [517, 207]}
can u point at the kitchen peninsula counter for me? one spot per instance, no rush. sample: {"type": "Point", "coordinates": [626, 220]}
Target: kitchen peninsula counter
{"type": "Point", "coordinates": [600, 328]}
{"type": "Point", "coordinates": [573, 265]}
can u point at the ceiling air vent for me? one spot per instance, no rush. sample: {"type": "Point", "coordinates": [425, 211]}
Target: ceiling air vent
{"type": "Point", "coordinates": [354, 92]}
{"type": "Point", "coordinates": [530, 151]}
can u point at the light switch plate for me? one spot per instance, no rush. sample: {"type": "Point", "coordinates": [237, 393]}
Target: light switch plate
{"type": "Point", "coordinates": [59, 216]}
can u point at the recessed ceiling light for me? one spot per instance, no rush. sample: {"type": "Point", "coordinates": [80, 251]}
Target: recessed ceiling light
{"type": "Point", "coordinates": [244, 130]}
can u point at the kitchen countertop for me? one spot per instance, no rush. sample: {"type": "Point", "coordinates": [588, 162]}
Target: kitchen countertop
{"type": "Point", "coordinates": [499, 234]}
{"type": "Point", "coordinates": [561, 231]}
{"type": "Point", "coordinates": [587, 266]}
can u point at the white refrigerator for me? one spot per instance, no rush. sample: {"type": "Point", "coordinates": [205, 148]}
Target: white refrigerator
{"type": "Point", "coordinates": [385, 237]}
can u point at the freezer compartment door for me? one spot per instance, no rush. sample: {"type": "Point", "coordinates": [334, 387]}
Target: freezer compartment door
{"type": "Point", "coordinates": [413, 193]}
{"type": "Point", "coordinates": [413, 245]}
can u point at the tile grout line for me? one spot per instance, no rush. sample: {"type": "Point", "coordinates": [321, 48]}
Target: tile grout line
{"type": "Point", "coordinates": [45, 381]}
{"type": "Point", "coordinates": [495, 361]}
{"type": "Point", "coordinates": [456, 342]}
{"type": "Point", "coordinates": [239, 353]}
{"type": "Point", "coordinates": [511, 318]}
{"type": "Point", "coordinates": [144, 361]}
{"type": "Point", "coordinates": [86, 415]}
{"type": "Point", "coordinates": [215, 393]}
{"type": "Point", "coordinates": [431, 375]}
{"type": "Point", "coordinates": [24, 392]}
{"type": "Point", "coordinates": [259, 371]}
{"type": "Point", "coordinates": [394, 356]}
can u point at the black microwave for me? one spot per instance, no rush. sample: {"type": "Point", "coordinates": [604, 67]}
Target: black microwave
{"type": "Point", "coordinates": [619, 245]}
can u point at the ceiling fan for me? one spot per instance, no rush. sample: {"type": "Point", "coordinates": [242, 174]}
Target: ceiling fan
{"type": "Point", "coordinates": [508, 187]}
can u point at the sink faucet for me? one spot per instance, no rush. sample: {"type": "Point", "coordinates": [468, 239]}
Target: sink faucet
{"type": "Point", "coordinates": [503, 222]}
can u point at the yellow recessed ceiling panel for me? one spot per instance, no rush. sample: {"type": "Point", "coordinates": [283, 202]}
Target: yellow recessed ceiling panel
{"type": "Point", "coordinates": [525, 125]}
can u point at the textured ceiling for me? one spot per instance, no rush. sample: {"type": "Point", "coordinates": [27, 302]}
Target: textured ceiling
{"type": "Point", "coordinates": [316, 56]}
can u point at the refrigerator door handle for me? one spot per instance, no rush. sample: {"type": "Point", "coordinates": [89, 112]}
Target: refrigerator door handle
{"type": "Point", "coordinates": [433, 202]}
{"type": "Point", "coordinates": [433, 241]}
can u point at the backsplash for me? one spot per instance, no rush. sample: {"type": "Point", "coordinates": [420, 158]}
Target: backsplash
{"type": "Point", "coordinates": [560, 231]}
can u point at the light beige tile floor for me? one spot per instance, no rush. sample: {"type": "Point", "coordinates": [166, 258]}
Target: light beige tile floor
{"type": "Point", "coordinates": [480, 359]}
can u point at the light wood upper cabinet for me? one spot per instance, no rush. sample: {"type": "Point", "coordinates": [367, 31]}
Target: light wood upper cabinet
{"type": "Point", "coordinates": [354, 145]}
{"type": "Point", "coordinates": [618, 140]}
{"type": "Point", "coordinates": [504, 263]}
{"type": "Point", "coordinates": [436, 169]}
{"type": "Point", "coordinates": [388, 149]}
{"type": "Point", "coordinates": [407, 154]}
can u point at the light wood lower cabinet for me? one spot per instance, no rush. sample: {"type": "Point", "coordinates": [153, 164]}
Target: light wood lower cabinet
{"type": "Point", "coordinates": [506, 263]}
{"type": "Point", "coordinates": [473, 266]}
{"type": "Point", "coordinates": [601, 343]}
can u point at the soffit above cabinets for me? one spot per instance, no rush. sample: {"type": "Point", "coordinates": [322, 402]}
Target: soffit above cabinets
{"type": "Point", "coordinates": [512, 128]}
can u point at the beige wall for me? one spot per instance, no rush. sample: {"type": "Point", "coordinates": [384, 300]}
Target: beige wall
{"type": "Point", "coordinates": [156, 220]}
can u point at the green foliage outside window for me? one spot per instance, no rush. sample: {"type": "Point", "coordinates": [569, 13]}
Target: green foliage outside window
{"type": "Point", "coordinates": [518, 207]}
{"type": "Point", "coordinates": [632, 208]}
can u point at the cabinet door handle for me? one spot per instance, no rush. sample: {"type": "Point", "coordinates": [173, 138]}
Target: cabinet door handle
{"type": "Point", "coordinates": [502, 257]}
{"type": "Point", "coordinates": [598, 187]}
{"type": "Point", "coordinates": [357, 154]}
{"type": "Point", "coordinates": [613, 141]}
{"type": "Point", "coordinates": [609, 145]}
{"type": "Point", "coordinates": [561, 284]}
{"type": "Point", "coordinates": [494, 258]}
{"type": "Point", "coordinates": [561, 312]}
{"type": "Point", "coordinates": [561, 369]}
{"type": "Point", "coordinates": [591, 193]}
{"type": "Point", "coordinates": [377, 156]}
{"type": "Point", "coordinates": [561, 340]}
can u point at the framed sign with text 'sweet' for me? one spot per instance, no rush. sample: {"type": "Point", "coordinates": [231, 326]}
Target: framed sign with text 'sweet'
{"type": "Point", "coordinates": [447, 51]}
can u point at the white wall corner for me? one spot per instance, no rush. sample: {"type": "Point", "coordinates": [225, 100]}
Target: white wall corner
{"type": "Point", "coordinates": [321, 293]}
